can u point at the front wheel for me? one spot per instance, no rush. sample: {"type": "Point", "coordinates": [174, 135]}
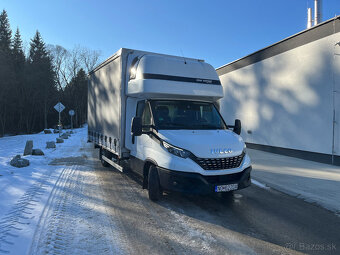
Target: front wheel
{"type": "Point", "coordinates": [154, 187]}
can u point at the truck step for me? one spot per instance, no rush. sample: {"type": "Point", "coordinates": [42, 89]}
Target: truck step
{"type": "Point", "coordinates": [115, 165]}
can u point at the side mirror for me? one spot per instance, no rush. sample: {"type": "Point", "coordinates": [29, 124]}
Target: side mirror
{"type": "Point", "coordinates": [136, 126]}
{"type": "Point", "coordinates": [237, 127]}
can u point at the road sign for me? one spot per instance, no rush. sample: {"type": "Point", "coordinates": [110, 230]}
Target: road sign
{"type": "Point", "coordinates": [59, 107]}
{"type": "Point", "coordinates": [71, 112]}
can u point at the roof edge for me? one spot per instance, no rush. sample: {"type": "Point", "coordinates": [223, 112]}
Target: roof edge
{"type": "Point", "coordinates": [119, 53]}
{"type": "Point", "coordinates": [221, 70]}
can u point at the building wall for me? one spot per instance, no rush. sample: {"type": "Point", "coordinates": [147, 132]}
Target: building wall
{"type": "Point", "coordinates": [287, 100]}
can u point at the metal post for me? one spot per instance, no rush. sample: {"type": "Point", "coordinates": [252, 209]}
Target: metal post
{"type": "Point", "coordinates": [333, 94]}
{"type": "Point", "coordinates": [71, 123]}
{"type": "Point", "coordinates": [59, 124]}
{"type": "Point", "coordinates": [333, 141]}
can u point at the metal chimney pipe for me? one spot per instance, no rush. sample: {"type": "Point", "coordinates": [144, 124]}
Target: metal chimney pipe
{"type": "Point", "coordinates": [317, 11]}
{"type": "Point", "coordinates": [309, 18]}
{"type": "Point", "coordinates": [320, 10]}
{"type": "Point", "coordinates": [316, 20]}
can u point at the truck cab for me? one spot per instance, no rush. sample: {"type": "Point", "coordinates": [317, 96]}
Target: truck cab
{"type": "Point", "coordinates": [178, 140]}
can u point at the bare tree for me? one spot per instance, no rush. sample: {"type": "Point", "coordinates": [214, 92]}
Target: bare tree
{"type": "Point", "coordinates": [60, 57]}
{"type": "Point", "coordinates": [68, 63]}
{"type": "Point", "coordinates": [89, 58]}
{"type": "Point", "coordinates": [84, 58]}
{"type": "Point", "coordinates": [74, 62]}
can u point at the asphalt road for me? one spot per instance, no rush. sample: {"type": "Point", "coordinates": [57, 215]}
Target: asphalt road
{"type": "Point", "coordinates": [253, 221]}
{"type": "Point", "coordinates": [98, 210]}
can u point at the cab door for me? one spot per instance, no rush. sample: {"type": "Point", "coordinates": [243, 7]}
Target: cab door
{"type": "Point", "coordinates": [141, 142]}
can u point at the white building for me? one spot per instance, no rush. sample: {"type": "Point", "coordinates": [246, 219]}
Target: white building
{"type": "Point", "coordinates": [287, 95]}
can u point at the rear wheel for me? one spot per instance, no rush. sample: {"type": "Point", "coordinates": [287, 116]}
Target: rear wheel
{"type": "Point", "coordinates": [102, 152]}
{"type": "Point", "coordinates": [154, 187]}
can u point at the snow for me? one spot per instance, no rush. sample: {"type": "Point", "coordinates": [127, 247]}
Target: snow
{"type": "Point", "coordinates": [308, 180]}
{"type": "Point", "coordinates": [75, 220]}
{"type": "Point", "coordinates": [25, 191]}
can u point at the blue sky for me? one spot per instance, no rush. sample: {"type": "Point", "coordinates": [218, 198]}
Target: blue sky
{"type": "Point", "coordinates": [217, 31]}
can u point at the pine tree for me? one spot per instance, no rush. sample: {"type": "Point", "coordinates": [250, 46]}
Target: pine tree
{"type": "Point", "coordinates": [6, 70]}
{"type": "Point", "coordinates": [19, 99]}
{"type": "Point", "coordinates": [38, 51]}
{"type": "Point", "coordinates": [41, 82]}
{"type": "Point", "coordinates": [75, 97]}
{"type": "Point", "coordinates": [18, 52]}
{"type": "Point", "coordinates": [5, 33]}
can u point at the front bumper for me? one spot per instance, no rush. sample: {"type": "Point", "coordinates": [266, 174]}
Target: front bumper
{"type": "Point", "coordinates": [196, 183]}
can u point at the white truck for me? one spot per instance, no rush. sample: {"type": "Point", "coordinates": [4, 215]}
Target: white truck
{"type": "Point", "coordinates": [158, 115]}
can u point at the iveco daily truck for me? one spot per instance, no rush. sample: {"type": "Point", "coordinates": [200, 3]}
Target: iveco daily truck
{"type": "Point", "coordinates": [158, 115]}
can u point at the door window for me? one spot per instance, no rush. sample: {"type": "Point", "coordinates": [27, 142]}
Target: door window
{"type": "Point", "coordinates": [146, 118]}
{"type": "Point", "coordinates": [140, 108]}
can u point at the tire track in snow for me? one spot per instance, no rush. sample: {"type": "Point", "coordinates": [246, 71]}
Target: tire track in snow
{"type": "Point", "coordinates": [21, 213]}
{"type": "Point", "coordinates": [54, 205]}
{"type": "Point", "coordinates": [74, 220]}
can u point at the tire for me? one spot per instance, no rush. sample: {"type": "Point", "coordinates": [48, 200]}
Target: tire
{"type": "Point", "coordinates": [154, 187]}
{"type": "Point", "coordinates": [102, 152]}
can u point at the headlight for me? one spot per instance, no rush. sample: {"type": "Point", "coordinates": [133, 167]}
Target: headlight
{"type": "Point", "coordinates": [245, 148]}
{"type": "Point", "coordinates": [175, 150]}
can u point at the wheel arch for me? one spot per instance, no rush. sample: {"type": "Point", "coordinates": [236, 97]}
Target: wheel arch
{"type": "Point", "coordinates": [147, 163]}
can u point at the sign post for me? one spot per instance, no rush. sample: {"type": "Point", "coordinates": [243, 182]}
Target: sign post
{"type": "Point", "coordinates": [59, 108]}
{"type": "Point", "coordinates": [71, 112]}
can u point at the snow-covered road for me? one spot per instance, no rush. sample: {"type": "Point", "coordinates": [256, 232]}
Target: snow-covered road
{"type": "Point", "coordinates": [75, 219]}
{"type": "Point", "coordinates": [67, 203]}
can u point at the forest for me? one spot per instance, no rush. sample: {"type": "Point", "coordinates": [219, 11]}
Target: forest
{"type": "Point", "coordinates": [36, 77]}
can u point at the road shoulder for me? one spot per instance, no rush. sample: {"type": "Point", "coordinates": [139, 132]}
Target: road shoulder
{"type": "Point", "coordinates": [311, 181]}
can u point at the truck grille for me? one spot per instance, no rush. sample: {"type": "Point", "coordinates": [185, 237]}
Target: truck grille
{"type": "Point", "coordinates": [219, 163]}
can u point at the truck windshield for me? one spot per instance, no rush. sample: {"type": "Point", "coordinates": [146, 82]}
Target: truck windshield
{"type": "Point", "coordinates": [178, 114]}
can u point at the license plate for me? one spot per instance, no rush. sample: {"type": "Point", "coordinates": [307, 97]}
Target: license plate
{"type": "Point", "coordinates": [226, 188]}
